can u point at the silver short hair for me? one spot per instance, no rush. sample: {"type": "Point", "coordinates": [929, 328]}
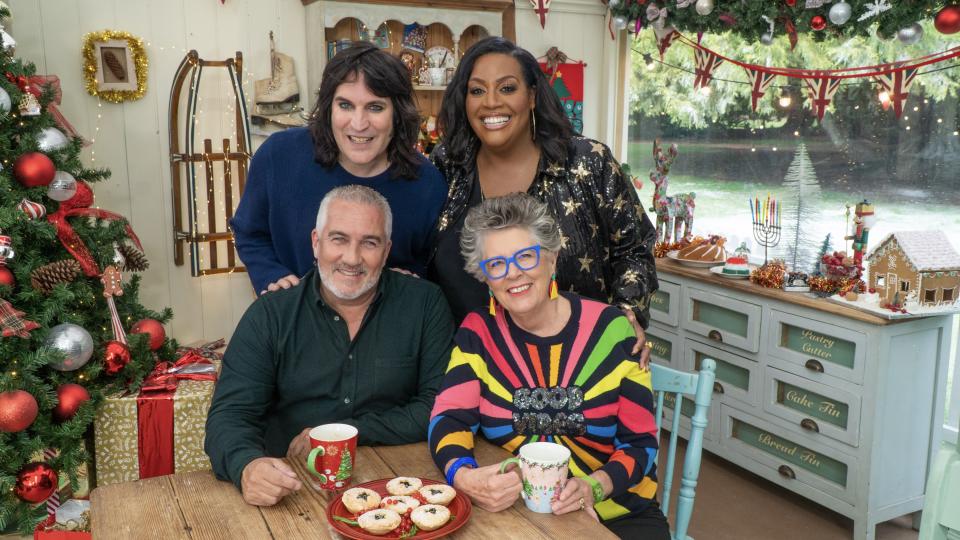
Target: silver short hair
{"type": "Point", "coordinates": [515, 210]}
{"type": "Point", "coordinates": [358, 194]}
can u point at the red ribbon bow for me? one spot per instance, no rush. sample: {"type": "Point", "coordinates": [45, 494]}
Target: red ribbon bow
{"type": "Point", "coordinates": [79, 205]}
{"type": "Point", "coordinates": [34, 85]}
{"type": "Point", "coordinates": [166, 375]}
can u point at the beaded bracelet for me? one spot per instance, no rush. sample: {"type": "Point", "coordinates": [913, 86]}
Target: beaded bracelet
{"type": "Point", "coordinates": [460, 462]}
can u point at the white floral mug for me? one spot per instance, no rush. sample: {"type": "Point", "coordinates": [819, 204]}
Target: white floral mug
{"type": "Point", "coordinates": [543, 466]}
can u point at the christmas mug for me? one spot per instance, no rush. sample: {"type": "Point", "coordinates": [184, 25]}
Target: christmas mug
{"type": "Point", "coordinates": [331, 460]}
{"type": "Point", "coordinates": [543, 466]}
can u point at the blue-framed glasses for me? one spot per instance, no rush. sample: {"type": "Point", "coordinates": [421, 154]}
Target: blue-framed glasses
{"type": "Point", "coordinates": [498, 267]}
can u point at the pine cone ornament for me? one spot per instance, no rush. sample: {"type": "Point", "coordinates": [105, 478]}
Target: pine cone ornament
{"type": "Point", "coordinates": [113, 63]}
{"type": "Point", "coordinates": [47, 276]}
{"type": "Point", "coordinates": [134, 259]}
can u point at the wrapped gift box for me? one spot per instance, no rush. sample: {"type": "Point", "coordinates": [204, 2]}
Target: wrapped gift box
{"type": "Point", "coordinates": [160, 431]}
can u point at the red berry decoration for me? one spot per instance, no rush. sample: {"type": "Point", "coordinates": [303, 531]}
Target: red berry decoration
{"type": "Point", "coordinates": [154, 329]}
{"type": "Point", "coordinates": [36, 482]}
{"type": "Point", "coordinates": [18, 409]}
{"type": "Point", "coordinates": [116, 356]}
{"type": "Point", "coordinates": [947, 20]}
{"type": "Point", "coordinates": [818, 22]}
{"type": "Point", "coordinates": [34, 169]}
{"type": "Point", "coordinates": [6, 277]}
{"type": "Point", "coordinates": [69, 398]}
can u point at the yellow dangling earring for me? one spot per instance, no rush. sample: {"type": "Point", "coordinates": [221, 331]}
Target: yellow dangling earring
{"type": "Point", "coordinates": [554, 293]}
{"type": "Point", "coordinates": [493, 304]}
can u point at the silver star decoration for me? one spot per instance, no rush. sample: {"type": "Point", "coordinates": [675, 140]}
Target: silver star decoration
{"type": "Point", "coordinates": [581, 172]}
{"type": "Point", "coordinates": [585, 263]}
{"type": "Point", "coordinates": [619, 202]}
{"type": "Point", "coordinates": [555, 168]}
{"type": "Point", "coordinates": [563, 241]}
{"type": "Point", "coordinates": [596, 147]}
{"type": "Point", "coordinates": [631, 276]}
{"type": "Point", "coordinates": [570, 206]}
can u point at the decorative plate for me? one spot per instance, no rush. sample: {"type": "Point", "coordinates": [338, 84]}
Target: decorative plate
{"type": "Point", "coordinates": [687, 262]}
{"type": "Point", "coordinates": [460, 508]}
{"type": "Point", "coordinates": [718, 270]}
{"type": "Point", "coordinates": [440, 57]}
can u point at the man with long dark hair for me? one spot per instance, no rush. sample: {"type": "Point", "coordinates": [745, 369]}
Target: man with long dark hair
{"type": "Point", "coordinates": [363, 130]}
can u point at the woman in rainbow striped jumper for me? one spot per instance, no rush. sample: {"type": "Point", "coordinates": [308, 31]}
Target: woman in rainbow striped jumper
{"type": "Point", "coordinates": [546, 366]}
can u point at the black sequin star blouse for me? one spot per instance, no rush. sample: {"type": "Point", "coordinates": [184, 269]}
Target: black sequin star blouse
{"type": "Point", "coordinates": [607, 238]}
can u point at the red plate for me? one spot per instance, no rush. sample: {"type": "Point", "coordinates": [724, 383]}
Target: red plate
{"type": "Point", "coordinates": [460, 507]}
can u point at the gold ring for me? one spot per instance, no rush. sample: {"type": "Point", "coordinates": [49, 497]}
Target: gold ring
{"type": "Point", "coordinates": [649, 344]}
{"type": "Point", "coordinates": [581, 503]}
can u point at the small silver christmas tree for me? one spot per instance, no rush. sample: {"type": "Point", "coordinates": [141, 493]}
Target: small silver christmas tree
{"type": "Point", "coordinates": [801, 201]}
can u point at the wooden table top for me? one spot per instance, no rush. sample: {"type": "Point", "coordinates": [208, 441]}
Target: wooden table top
{"type": "Point", "coordinates": [668, 266]}
{"type": "Point", "coordinates": [198, 506]}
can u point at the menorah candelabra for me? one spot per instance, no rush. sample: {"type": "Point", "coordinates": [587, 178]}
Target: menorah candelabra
{"type": "Point", "coordinates": [766, 235]}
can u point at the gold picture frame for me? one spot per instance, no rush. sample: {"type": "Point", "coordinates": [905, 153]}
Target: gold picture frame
{"type": "Point", "coordinates": [114, 66]}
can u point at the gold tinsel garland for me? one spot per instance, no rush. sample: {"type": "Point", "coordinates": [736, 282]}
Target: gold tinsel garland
{"type": "Point", "coordinates": [770, 275]}
{"type": "Point", "coordinates": [90, 65]}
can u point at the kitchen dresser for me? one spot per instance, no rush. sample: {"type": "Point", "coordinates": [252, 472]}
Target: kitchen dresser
{"type": "Point", "coordinates": [838, 405]}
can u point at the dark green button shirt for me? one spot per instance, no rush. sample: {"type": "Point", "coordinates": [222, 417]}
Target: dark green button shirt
{"type": "Point", "coordinates": [291, 365]}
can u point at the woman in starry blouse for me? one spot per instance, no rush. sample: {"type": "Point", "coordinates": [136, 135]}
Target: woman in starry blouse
{"type": "Point", "coordinates": [543, 365]}
{"type": "Point", "coordinates": [504, 131]}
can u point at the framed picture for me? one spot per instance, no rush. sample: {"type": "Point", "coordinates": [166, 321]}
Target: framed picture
{"type": "Point", "coordinates": [115, 65]}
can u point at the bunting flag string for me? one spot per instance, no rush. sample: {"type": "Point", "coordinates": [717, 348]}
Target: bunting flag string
{"type": "Point", "coordinates": [541, 8]}
{"type": "Point", "coordinates": [665, 38]}
{"type": "Point", "coordinates": [759, 82]}
{"type": "Point", "coordinates": [821, 93]}
{"type": "Point", "coordinates": [706, 62]}
{"type": "Point", "coordinates": [897, 84]}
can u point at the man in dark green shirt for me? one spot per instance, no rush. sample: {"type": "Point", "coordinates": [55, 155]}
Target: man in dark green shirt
{"type": "Point", "coordinates": [349, 344]}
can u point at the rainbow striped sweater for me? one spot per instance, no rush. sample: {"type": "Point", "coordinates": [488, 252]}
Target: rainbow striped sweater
{"type": "Point", "coordinates": [579, 388]}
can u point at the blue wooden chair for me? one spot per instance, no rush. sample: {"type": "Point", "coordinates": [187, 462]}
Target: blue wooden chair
{"type": "Point", "coordinates": [700, 386]}
{"type": "Point", "coordinates": [941, 520]}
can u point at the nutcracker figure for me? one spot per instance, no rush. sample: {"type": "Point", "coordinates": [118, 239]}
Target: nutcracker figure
{"type": "Point", "coordinates": [863, 221]}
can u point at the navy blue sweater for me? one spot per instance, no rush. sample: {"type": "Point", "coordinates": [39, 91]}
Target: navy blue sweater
{"type": "Point", "coordinates": [283, 192]}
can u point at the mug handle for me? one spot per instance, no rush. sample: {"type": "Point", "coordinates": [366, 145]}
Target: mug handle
{"type": "Point", "coordinates": [312, 463]}
{"type": "Point", "coordinates": [508, 461]}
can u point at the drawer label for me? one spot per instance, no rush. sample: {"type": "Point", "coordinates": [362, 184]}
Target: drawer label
{"type": "Point", "coordinates": [817, 345]}
{"type": "Point", "coordinates": [791, 452]}
{"type": "Point", "coordinates": [686, 407]}
{"type": "Point", "coordinates": [726, 372]}
{"type": "Point", "coordinates": [660, 348]}
{"type": "Point", "coordinates": [720, 317]}
{"type": "Point", "coordinates": [660, 301]}
{"type": "Point", "coordinates": [812, 404]}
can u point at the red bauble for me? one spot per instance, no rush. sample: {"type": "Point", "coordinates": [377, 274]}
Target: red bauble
{"type": "Point", "coordinates": [791, 3]}
{"type": "Point", "coordinates": [818, 22]}
{"type": "Point", "coordinates": [6, 277]}
{"type": "Point", "coordinates": [116, 356]}
{"type": "Point", "coordinates": [36, 482]}
{"type": "Point", "coordinates": [948, 20]}
{"type": "Point", "coordinates": [34, 169]}
{"type": "Point", "coordinates": [18, 409]}
{"type": "Point", "coordinates": [154, 329]}
{"type": "Point", "coordinates": [69, 397]}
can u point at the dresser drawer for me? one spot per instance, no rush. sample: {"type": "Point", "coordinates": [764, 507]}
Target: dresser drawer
{"type": "Point", "coordinates": [686, 413]}
{"type": "Point", "coordinates": [667, 347]}
{"type": "Point", "coordinates": [738, 378]}
{"type": "Point", "coordinates": [823, 411]}
{"type": "Point", "coordinates": [795, 458]}
{"type": "Point", "coordinates": [824, 350]}
{"type": "Point", "coordinates": [722, 318]}
{"type": "Point", "coordinates": [665, 303]}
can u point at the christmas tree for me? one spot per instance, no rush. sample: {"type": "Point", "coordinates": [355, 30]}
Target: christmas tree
{"type": "Point", "coordinates": [64, 343]}
{"type": "Point", "coordinates": [801, 206]}
{"type": "Point", "coordinates": [825, 248]}
{"type": "Point", "coordinates": [346, 465]}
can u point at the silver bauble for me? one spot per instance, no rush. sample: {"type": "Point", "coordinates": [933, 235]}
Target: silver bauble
{"type": "Point", "coordinates": [74, 342]}
{"type": "Point", "coordinates": [4, 101]}
{"type": "Point", "coordinates": [704, 7]}
{"type": "Point", "coordinates": [840, 13]}
{"type": "Point", "coordinates": [766, 39]}
{"type": "Point", "coordinates": [613, 3]}
{"type": "Point", "coordinates": [52, 139]}
{"type": "Point", "coordinates": [619, 22]}
{"type": "Point", "coordinates": [63, 187]}
{"type": "Point", "coordinates": [910, 34]}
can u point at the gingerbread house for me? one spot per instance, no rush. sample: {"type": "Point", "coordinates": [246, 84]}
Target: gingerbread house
{"type": "Point", "coordinates": [915, 265]}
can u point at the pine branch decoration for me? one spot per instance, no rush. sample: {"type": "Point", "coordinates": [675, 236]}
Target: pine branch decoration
{"type": "Point", "coordinates": [134, 260]}
{"type": "Point", "coordinates": [46, 277]}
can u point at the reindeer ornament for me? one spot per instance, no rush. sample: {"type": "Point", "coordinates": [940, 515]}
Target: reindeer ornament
{"type": "Point", "coordinates": [675, 211]}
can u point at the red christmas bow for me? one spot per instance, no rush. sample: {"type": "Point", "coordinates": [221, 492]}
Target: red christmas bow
{"type": "Point", "coordinates": [166, 375]}
{"type": "Point", "coordinates": [34, 85]}
{"type": "Point", "coordinates": [79, 205]}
